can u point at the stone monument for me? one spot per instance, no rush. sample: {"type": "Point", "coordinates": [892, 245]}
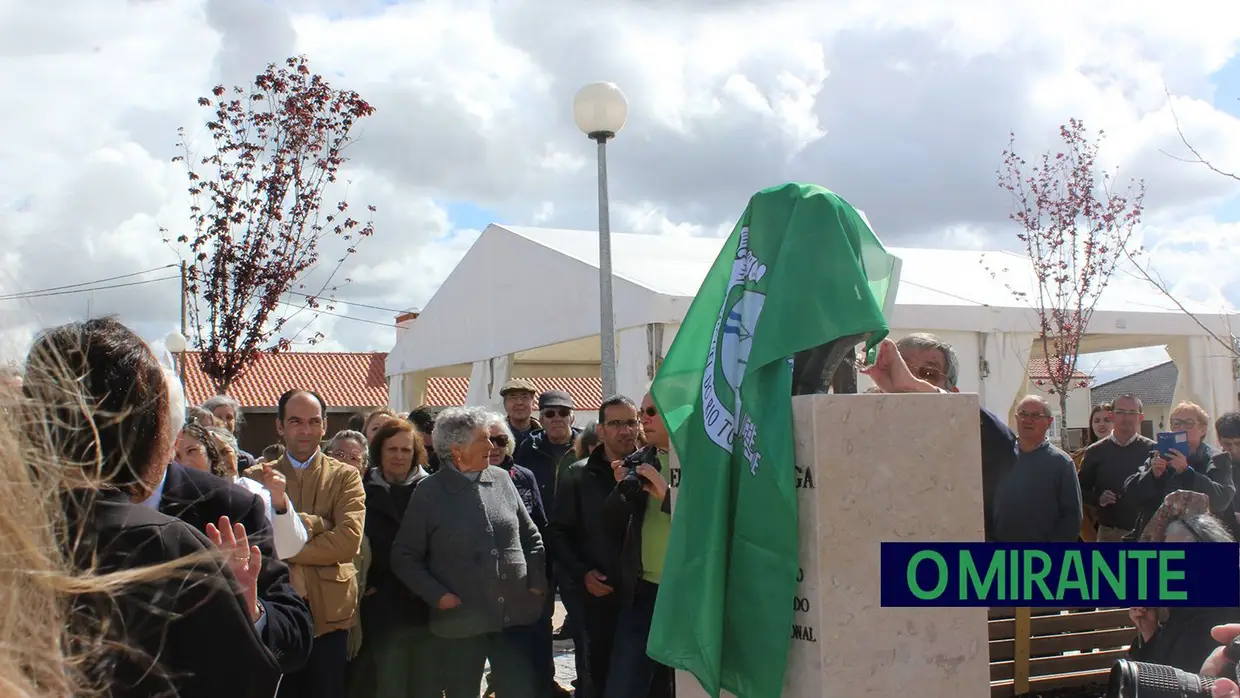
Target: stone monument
{"type": "Point", "coordinates": [873, 468]}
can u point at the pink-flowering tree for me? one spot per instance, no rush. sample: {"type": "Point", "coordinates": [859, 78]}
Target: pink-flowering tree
{"type": "Point", "coordinates": [256, 213]}
{"type": "Point", "coordinates": [1075, 228]}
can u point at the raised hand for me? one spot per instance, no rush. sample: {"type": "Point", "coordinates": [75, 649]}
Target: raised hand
{"type": "Point", "coordinates": [245, 560]}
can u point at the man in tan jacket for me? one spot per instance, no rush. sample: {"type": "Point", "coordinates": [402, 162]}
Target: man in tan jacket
{"type": "Point", "coordinates": [329, 497]}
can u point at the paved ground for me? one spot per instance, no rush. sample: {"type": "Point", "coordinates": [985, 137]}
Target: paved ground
{"type": "Point", "coordinates": [565, 661]}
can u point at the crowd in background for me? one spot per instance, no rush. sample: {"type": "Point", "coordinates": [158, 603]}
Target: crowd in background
{"type": "Point", "coordinates": [146, 554]}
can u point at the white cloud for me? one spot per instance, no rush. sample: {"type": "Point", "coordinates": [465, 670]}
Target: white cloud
{"type": "Point", "coordinates": [902, 107]}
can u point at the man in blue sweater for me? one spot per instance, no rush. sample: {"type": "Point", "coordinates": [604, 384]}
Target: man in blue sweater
{"type": "Point", "coordinates": [1039, 501]}
{"type": "Point", "coordinates": [922, 363]}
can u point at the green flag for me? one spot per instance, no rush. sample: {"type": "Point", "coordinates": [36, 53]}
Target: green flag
{"type": "Point", "coordinates": [801, 268]}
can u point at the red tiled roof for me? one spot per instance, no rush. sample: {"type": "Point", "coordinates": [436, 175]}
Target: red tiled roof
{"type": "Point", "coordinates": [352, 379]}
{"type": "Point", "coordinates": [587, 392]}
{"type": "Point", "coordinates": [1038, 371]}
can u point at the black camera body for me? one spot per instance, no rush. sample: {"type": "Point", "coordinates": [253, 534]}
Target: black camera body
{"type": "Point", "coordinates": [632, 482]}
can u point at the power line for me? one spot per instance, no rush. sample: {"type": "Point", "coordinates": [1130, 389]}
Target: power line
{"type": "Point", "coordinates": [48, 294]}
{"type": "Point", "coordinates": [339, 315]}
{"type": "Point", "coordinates": [327, 299]}
{"type": "Point", "coordinates": [37, 292]}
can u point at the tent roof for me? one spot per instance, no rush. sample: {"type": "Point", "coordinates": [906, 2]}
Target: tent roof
{"type": "Point", "coordinates": [486, 307]}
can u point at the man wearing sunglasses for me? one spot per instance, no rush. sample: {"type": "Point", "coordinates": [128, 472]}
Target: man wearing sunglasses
{"type": "Point", "coordinates": [547, 452]}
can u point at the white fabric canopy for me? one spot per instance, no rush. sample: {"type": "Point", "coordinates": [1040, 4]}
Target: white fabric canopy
{"type": "Point", "coordinates": [525, 296]}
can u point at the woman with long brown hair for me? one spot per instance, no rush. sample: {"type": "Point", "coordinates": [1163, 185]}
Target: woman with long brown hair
{"type": "Point", "coordinates": [1099, 428]}
{"type": "Point", "coordinates": [109, 429]}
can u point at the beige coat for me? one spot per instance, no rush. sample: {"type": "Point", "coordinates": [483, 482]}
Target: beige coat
{"type": "Point", "coordinates": [329, 497]}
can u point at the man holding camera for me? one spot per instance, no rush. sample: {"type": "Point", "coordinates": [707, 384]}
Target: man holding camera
{"type": "Point", "coordinates": [638, 514]}
{"type": "Point", "coordinates": [588, 537]}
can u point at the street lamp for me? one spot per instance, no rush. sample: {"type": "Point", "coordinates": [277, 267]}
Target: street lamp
{"type": "Point", "coordinates": [175, 343]}
{"type": "Point", "coordinates": [600, 111]}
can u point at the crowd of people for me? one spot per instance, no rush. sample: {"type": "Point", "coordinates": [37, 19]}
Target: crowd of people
{"type": "Point", "coordinates": [147, 554]}
{"type": "Point", "coordinates": [1120, 488]}
{"type": "Point", "coordinates": [399, 557]}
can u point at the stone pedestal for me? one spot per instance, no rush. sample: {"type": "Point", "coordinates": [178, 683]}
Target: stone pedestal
{"type": "Point", "coordinates": [874, 468]}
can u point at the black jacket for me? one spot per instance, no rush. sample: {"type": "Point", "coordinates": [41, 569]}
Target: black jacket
{"type": "Point", "coordinates": [579, 538]}
{"type": "Point", "coordinates": [391, 604]}
{"type": "Point", "coordinates": [535, 453]}
{"type": "Point", "coordinates": [1209, 472]}
{"type": "Point", "coordinates": [623, 517]}
{"type": "Point", "coordinates": [199, 498]}
{"type": "Point", "coordinates": [197, 628]}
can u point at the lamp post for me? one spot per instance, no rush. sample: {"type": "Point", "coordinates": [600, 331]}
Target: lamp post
{"type": "Point", "coordinates": [600, 111]}
{"type": "Point", "coordinates": [175, 343]}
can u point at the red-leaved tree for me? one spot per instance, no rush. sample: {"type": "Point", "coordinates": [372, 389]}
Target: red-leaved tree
{"type": "Point", "coordinates": [1075, 228]}
{"type": "Point", "coordinates": [256, 218]}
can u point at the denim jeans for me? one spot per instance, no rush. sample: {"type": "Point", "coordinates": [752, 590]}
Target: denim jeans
{"type": "Point", "coordinates": [632, 673]}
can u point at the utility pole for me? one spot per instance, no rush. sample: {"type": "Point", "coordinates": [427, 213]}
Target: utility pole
{"type": "Point", "coordinates": [184, 299]}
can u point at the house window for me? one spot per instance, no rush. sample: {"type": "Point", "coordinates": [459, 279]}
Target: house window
{"type": "Point", "coordinates": [1052, 434]}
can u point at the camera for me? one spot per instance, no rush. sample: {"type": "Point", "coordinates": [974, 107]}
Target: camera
{"type": "Point", "coordinates": [632, 482]}
{"type": "Point", "coordinates": [1131, 679]}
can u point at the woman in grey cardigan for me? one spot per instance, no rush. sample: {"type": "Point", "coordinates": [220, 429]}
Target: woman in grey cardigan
{"type": "Point", "coordinates": [468, 547]}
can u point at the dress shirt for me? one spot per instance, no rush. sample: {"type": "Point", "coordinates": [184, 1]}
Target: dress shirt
{"type": "Point", "coordinates": [298, 464]}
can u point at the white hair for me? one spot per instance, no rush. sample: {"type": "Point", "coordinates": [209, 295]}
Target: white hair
{"type": "Point", "coordinates": [458, 426]}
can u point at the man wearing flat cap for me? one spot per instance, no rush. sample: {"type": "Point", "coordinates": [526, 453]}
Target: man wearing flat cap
{"type": "Point", "coordinates": [518, 395]}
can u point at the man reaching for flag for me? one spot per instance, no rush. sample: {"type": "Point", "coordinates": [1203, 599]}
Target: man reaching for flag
{"type": "Point", "coordinates": [801, 269]}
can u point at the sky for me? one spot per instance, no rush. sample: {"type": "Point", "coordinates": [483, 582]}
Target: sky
{"type": "Point", "coordinates": [902, 107]}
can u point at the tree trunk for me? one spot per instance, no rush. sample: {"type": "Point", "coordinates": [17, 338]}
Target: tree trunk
{"type": "Point", "coordinates": [1063, 420]}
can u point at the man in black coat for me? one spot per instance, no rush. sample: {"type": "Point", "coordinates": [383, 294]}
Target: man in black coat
{"type": "Point", "coordinates": [200, 498]}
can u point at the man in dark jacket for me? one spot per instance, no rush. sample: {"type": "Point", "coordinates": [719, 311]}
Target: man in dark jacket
{"type": "Point", "coordinates": [549, 450]}
{"type": "Point", "coordinates": [582, 543]}
{"type": "Point", "coordinates": [639, 517]}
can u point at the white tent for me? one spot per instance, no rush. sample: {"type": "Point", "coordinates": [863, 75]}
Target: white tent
{"type": "Point", "coordinates": [524, 301]}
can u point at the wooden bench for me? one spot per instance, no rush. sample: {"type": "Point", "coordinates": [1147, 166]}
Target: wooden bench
{"type": "Point", "coordinates": [1050, 648]}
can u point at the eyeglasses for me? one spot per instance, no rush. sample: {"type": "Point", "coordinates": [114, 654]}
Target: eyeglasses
{"type": "Point", "coordinates": [651, 411]}
{"type": "Point", "coordinates": [500, 441]}
{"type": "Point", "coordinates": [342, 456]}
{"type": "Point", "coordinates": [556, 412]}
{"type": "Point", "coordinates": [930, 374]}
{"type": "Point", "coordinates": [1032, 415]}
{"type": "Point", "coordinates": [1183, 423]}
{"type": "Point", "coordinates": [622, 424]}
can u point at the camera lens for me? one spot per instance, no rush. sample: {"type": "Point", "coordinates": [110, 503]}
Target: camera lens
{"type": "Point", "coordinates": [1141, 680]}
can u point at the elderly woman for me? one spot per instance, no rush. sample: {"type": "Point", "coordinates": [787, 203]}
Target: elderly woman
{"type": "Point", "coordinates": [1203, 469]}
{"type": "Point", "coordinates": [214, 450]}
{"type": "Point", "coordinates": [1180, 637]}
{"type": "Point", "coordinates": [349, 447]}
{"type": "Point", "coordinates": [398, 652]}
{"type": "Point", "coordinates": [227, 411]}
{"type": "Point", "coordinates": [469, 548]}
